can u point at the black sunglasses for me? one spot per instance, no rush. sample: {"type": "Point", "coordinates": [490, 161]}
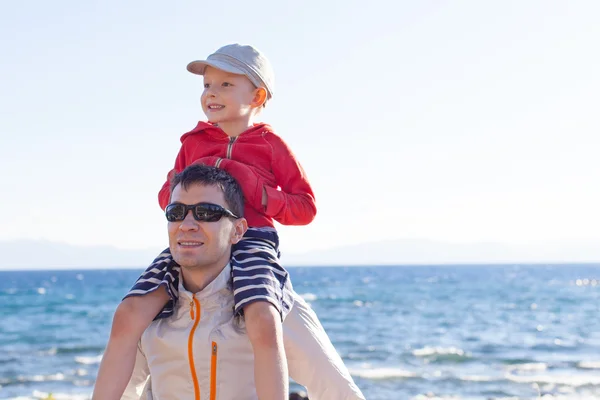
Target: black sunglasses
{"type": "Point", "coordinates": [203, 212]}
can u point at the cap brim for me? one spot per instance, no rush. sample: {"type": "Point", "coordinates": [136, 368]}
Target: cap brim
{"type": "Point", "coordinates": [198, 67]}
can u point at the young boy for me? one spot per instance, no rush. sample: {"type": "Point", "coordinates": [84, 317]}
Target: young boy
{"type": "Point", "coordinates": [238, 81]}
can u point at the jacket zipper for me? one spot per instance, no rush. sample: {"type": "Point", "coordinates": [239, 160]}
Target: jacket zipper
{"type": "Point", "coordinates": [195, 315]}
{"type": "Point", "coordinates": [230, 146]}
{"type": "Point", "coordinates": [213, 372]}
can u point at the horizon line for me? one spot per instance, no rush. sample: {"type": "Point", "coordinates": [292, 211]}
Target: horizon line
{"type": "Point", "coordinates": [380, 265]}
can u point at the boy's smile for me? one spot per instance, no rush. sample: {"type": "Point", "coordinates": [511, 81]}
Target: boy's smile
{"type": "Point", "coordinates": [215, 107]}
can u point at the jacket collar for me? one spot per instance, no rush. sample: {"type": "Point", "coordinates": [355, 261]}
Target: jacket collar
{"type": "Point", "coordinates": [222, 281]}
{"type": "Point", "coordinates": [217, 133]}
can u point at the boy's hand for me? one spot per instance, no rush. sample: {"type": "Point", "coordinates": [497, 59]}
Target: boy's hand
{"type": "Point", "coordinates": [253, 185]}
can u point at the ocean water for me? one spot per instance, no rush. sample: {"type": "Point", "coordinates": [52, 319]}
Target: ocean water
{"type": "Point", "coordinates": [422, 332]}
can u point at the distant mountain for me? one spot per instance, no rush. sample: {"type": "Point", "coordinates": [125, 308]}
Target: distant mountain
{"type": "Point", "coordinates": [419, 252]}
{"type": "Point", "coordinates": [39, 254]}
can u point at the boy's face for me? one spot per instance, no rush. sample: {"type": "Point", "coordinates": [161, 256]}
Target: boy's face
{"type": "Point", "coordinates": [227, 97]}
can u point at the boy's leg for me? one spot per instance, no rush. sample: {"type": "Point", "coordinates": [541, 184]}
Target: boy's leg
{"type": "Point", "coordinates": [258, 283]}
{"type": "Point", "coordinates": [312, 360]}
{"type": "Point", "coordinates": [131, 319]}
{"type": "Point", "coordinates": [150, 297]}
{"type": "Point", "coordinates": [263, 325]}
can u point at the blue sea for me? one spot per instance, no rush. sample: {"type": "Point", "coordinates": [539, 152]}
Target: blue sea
{"type": "Point", "coordinates": [407, 332]}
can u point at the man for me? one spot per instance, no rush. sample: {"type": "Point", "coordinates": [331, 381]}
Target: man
{"type": "Point", "coordinates": [202, 351]}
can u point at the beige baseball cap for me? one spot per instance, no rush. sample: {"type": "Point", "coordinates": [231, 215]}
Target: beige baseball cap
{"type": "Point", "coordinates": [242, 60]}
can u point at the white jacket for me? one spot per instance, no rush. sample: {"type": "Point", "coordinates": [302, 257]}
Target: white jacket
{"type": "Point", "coordinates": [202, 352]}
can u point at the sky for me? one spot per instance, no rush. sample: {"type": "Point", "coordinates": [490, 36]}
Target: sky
{"type": "Point", "coordinates": [458, 121]}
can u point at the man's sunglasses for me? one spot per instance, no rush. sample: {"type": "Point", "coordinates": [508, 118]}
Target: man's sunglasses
{"type": "Point", "coordinates": [203, 212]}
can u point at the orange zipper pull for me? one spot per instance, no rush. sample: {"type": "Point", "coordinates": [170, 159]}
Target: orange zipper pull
{"type": "Point", "coordinates": [213, 372]}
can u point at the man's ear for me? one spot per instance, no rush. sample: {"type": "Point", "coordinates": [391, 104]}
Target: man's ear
{"type": "Point", "coordinates": [239, 229]}
{"type": "Point", "coordinates": [260, 97]}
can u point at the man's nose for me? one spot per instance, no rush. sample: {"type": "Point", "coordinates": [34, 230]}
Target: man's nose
{"type": "Point", "coordinates": [189, 223]}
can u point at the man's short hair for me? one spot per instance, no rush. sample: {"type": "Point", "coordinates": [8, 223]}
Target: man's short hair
{"type": "Point", "coordinates": [212, 176]}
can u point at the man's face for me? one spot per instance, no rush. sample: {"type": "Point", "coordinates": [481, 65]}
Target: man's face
{"type": "Point", "coordinates": [197, 244]}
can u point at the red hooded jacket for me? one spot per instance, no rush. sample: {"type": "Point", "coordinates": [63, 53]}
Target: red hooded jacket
{"type": "Point", "coordinates": [257, 159]}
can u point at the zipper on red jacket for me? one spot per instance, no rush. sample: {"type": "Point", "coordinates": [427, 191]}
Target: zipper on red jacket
{"type": "Point", "coordinates": [230, 146]}
{"type": "Point", "coordinates": [195, 316]}
{"type": "Point", "coordinates": [213, 372]}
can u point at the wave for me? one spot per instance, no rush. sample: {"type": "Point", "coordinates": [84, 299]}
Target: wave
{"type": "Point", "coordinates": [586, 282]}
{"type": "Point", "coordinates": [309, 296]}
{"type": "Point", "coordinates": [50, 352]}
{"type": "Point", "coordinates": [478, 378]}
{"type": "Point", "coordinates": [80, 349]}
{"type": "Point", "coordinates": [569, 380]}
{"type": "Point", "coordinates": [8, 359]}
{"type": "Point", "coordinates": [382, 373]}
{"type": "Point", "coordinates": [528, 367]}
{"type": "Point", "coordinates": [442, 353]}
{"type": "Point", "coordinates": [36, 395]}
{"type": "Point", "coordinates": [557, 345]}
{"type": "Point", "coordinates": [89, 360]}
{"type": "Point", "coordinates": [588, 365]}
{"type": "Point", "coordinates": [566, 380]}
{"type": "Point", "coordinates": [512, 361]}
{"type": "Point", "coordinates": [32, 379]}
{"type": "Point", "coordinates": [548, 396]}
